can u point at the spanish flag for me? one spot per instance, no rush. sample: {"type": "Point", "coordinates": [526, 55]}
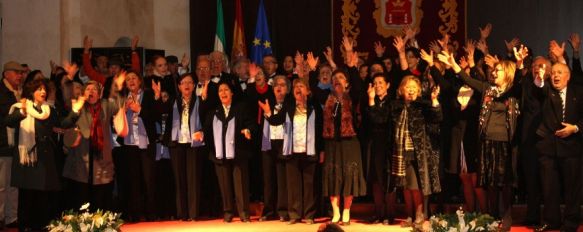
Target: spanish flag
{"type": "Point", "coordinates": [239, 48]}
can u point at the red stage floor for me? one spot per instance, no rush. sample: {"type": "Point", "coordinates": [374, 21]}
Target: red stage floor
{"type": "Point", "coordinates": [255, 226]}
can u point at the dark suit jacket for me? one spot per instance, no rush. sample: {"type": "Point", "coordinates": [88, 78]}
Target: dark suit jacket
{"type": "Point", "coordinates": [149, 114]}
{"type": "Point", "coordinates": [552, 111]}
{"type": "Point", "coordinates": [289, 108]}
{"type": "Point", "coordinates": [7, 99]}
{"type": "Point", "coordinates": [243, 120]}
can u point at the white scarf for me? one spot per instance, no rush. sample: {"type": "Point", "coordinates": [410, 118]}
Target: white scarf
{"type": "Point", "coordinates": [26, 134]}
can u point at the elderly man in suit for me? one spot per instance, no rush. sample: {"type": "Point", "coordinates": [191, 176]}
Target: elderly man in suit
{"type": "Point", "coordinates": [559, 146]}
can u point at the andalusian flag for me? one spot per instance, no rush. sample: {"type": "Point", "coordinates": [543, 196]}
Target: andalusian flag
{"type": "Point", "coordinates": [239, 49]}
{"type": "Point", "coordinates": [220, 34]}
{"type": "Point", "coordinates": [261, 42]}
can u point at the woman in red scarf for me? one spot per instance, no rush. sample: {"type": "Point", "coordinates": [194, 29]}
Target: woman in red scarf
{"type": "Point", "coordinates": [92, 117]}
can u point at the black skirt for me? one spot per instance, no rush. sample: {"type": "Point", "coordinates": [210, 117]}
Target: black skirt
{"type": "Point", "coordinates": [495, 164]}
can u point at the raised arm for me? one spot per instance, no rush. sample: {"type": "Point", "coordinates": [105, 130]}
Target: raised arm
{"type": "Point", "coordinates": [136, 67]}
{"type": "Point", "coordinates": [87, 67]}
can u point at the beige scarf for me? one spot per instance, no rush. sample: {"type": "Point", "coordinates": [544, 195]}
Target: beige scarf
{"type": "Point", "coordinates": [26, 134]}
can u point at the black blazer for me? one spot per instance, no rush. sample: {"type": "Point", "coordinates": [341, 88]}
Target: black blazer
{"type": "Point", "coordinates": [168, 108]}
{"type": "Point", "coordinates": [552, 111]}
{"type": "Point", "coordinates": [7, 99]}
{"type": "Point", "coordinates": [289, 108]}
{"type": "Point", "coordinates": [149, 114]}
{"type": "Point", "coordinates": [243, 120]}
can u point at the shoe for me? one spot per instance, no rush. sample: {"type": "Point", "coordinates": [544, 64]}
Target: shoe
{"type": "Point", "coordinates": [309, 221]}
{"type": "Point", "coordinates": [228, 219]}
{"type": "Point", "coordinates": [346, 223]}
{"type": "Point", "coordinates": [13, 224]}
{"type": "Point", "coordinates": [387, 222]}
{"type": "Point", "coordinates": [374, 220]}
{"type": "Point", "coordinates": [283, 219]}
{"type": "Point", "coordinates": [245, 220]}
{"type": "Point", "coordinates": [293, 221]}
{"type": "Point", "coordinates": [545, 227]}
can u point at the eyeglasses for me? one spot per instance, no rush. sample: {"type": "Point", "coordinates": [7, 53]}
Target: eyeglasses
{"type": "Point", "coordinates": [202, 69]}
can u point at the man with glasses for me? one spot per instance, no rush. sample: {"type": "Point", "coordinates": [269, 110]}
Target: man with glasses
{"type": "Point", "coordinates": [10, 90]}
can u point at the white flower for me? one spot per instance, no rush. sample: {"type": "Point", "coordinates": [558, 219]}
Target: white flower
{"type": "Point", "coordinates": [493, 226]}
{"type": "Point", "coordinates": [84, 207]}
{"type": "Point", "coordinates": [473, 224]}
{"type": "Point", "coordinates": [98, 220]}
{"type": "Point", "coordinates": [426, 226]}
{"type": "Point", "coordinates": [84, 227]}
{"type": "Point", "coordinates": [452, 229]}
{"type": "Point", "coordinates": [443, 223]}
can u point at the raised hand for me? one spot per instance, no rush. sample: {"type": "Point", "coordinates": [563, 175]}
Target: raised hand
{"type": "Point", "coordinates": [329, 57]}
{"type": "Point", "coordinates": [157, 88]}
{"type": "Point", "coordinates": [520, 54]}
{"type": "Point", "coordinates": [23, 106]}
{"type": "Point", "coordinates": [370, 91]}
{"type": "Point", "coordinates": [575, 42]}
{"type": "Point", "coordinates": [470, 49]}
{"type": "Point", "coordinates": [485, 32]}
{"type": "Point", "coordinates": [253, 70]}
{"type": "Point", "coordinates": [399, 44]}
{"type": "Point", "coordinates": [313, 63]}
{"type": "Point", "coordinates": [434, 46]}
{"type": "Point", "coordinates": [352, 59]}
{"type": "Point", "coordinates": [135, 41]}
{"type": "Point", "coordinates": [541, 73]}
{"type": "Point", "coordinates": [443, 42]}
{"type": "Point", "coordinates": [53, 66]}
{"type": "Point", "coordinates": [448, 59]}
{"type": "Point", "coordinates": [70, 68]}
{"type": "Point", "coordinates": [379, 49]}
{"type": "Point", "coordinates": [427, 57]}
{"type": "Point", "coordinates": [410, 33]}
{"type": "Point", "coordinates": [77, 104]}
{"type": "Point", "coordinates": [265, 106]}
{"type": "Point", "coordinates": [463, 62]}
{"type": "Point", "coordinates": [120, 79]}
{"type": "Point", "coordinates": [134, 106]}
{"type": "Point", "coordinates": [556, 49]}
{"type": "Point", "coordinates": [87, 44]}
{"type": "Point", "coordinates": [246, 133]}
{"type": "Point", "coordinates": [347, 44]}
{"type": "Point", "coordinates": [491, 61]}
{"type": "Point", "coordinates": [512, 44]}
{"type": "Point", "coordinates": [185, 61]}
{"type": "Point", "coordinates": [483, 47]}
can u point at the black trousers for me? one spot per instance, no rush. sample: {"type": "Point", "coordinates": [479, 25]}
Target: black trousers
{"type": "Point", "coordinates": [186, 167]}
{"type": "Point", "coordinates": [557, 172]}
{"type": "Point", "coordinates": [121, 184]}
{"type": "Point", "coordinates": [142, 185]}
{"type": "Point", "coordinates": [274, 181]}
{"type": "Point", "coordinates": [36, 208]}
{"type": "Point", "coordinates": [99, 196]}
{"type": "Point", "coordinates": [165, 190]}
{"type": "Point", "coordinates": [532, 178]}
{"type": "Point", "coordinates": [233, 176]}
{"type": "Point", "coordinates": [300, 177]}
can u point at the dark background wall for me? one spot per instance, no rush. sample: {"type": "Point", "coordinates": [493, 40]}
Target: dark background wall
{"type": "Point", "coordinates": [293, 24]}
{"type": "Point", "coordinates": [535, 22]}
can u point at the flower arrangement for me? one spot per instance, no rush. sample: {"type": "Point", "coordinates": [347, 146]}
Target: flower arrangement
{"type": "Point", "coordinates": [459, 222]}
{"type": "Point", "coordinates": [85, 221]}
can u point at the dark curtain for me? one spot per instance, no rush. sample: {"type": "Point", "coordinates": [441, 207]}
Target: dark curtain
{"type": "Point", "coordinates": [535, 22]}
{"type": "Point", "coordinates": [302, 25]}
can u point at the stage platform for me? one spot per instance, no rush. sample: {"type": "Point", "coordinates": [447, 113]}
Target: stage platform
{"type": "Point", "coordinates": [270, 226]}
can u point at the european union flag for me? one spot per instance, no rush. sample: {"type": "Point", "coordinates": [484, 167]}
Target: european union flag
{"type": "Point", "coordinates": [261, 42]}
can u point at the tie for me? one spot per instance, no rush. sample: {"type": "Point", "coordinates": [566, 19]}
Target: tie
{"type": "Point", "coordinates": [563, 98]}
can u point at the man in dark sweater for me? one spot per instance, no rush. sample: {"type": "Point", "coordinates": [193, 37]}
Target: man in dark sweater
{"type": "Point", "coordinates": [10, 90]}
